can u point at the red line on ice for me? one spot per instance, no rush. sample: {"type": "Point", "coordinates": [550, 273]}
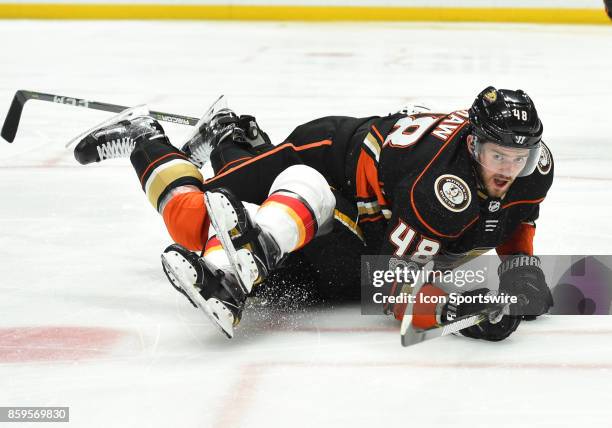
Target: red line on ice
{"type": "Point", "coordinates": [29, 344]}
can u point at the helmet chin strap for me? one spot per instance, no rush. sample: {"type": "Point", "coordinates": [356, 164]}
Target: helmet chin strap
{"type": "Point", "coordinates": [481, 184]}
{"type": "Point", "coordinates": [473, 145]}
{"type": "Point", "coordinates": [476, 167]}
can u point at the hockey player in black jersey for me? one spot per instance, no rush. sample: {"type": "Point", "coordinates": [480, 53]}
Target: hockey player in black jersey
{"type": "Point", "coordinates": [416, 185]}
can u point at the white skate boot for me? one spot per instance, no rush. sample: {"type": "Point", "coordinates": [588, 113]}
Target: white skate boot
{"type": "Point", "coordinates": [252, 252]}
{"type": "Point", "coordinates": [214, 291]}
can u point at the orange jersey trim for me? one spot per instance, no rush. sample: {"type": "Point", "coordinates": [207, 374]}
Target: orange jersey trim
{"type": "Point", "coordinates": [381, 140]}
{"type": "Point", "coordinates": [366, 179]}
{"type": "Point", "coordinates": [416, 212]}
{"type": "Point", "coordinates": [371, 219]}
{"type": "Point", "coordinates": [155, 162]}
{"type": "Point", "coordinates": [534, 201]}
{"type": "Point", "coordinates": [268, 153]}
{"type": "Point", "coordinates": [424, 315]}
{"type": "Point", "coordinates": [229, 164]}
{"type": "Point", "coordinates": [520, 242]}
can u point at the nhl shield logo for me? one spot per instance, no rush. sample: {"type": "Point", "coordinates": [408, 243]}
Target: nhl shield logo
{"type": "Point", "coordinates": [452, 192]}
{"type": "Point", "coordinates": [494, 206]}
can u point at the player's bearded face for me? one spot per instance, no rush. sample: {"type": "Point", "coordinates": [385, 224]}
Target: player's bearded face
{"type": "Point", "coordinates": [499, 167]}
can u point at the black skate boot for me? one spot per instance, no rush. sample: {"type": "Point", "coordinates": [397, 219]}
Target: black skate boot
{"type": "Point", "coordinates": [220, 124]}
{"type": "Point", "coordinates": [252, 252]}
{"type": "Point", "coordinates": [215, 292]}
{"type": "Point", "coordinates": [117, 137]}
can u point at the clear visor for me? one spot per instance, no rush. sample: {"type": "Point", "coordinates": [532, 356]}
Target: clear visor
{"type": "Point", "coordinates": [506, 161]}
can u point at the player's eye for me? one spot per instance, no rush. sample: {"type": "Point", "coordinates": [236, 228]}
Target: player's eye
{"type": "Point", "coordinates": [498, 157]}
{"type": "Point", "coordinates": [520, 160]}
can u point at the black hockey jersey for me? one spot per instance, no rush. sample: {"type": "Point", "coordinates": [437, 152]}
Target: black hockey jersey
{"type": "Point", "coordinates": [415, 175]}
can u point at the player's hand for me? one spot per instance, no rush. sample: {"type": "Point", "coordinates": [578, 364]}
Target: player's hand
{"type": "Point", "coordinates": [521, 276]}
{"type": "Point", "coordinates": [486, 330]}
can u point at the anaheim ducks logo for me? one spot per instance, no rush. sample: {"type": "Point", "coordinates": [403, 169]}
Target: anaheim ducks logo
{"type": "Point", "coordinates": [545, 161]}
{"type": "Point", "coordinates": [491, 96]}
{"type": "Point", "coordinates": [452, 192]}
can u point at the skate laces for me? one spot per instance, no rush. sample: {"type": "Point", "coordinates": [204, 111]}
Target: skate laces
{"type": "Point", "coordinates": [201, 146]}
{"type": "Point", "coordinates": [118, 148]}
{"type": "Point", "coordinates": [133, 130]}
{"type": "Point", "coordinates": [210, 135]}
{"type": "Point", "coordinates": [199, 151]}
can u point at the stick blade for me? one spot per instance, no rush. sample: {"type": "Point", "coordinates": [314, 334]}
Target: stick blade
{"type": "Point", "coordinates": [11, 123]}
{"type": "Point", "coordinates": [411, 335]}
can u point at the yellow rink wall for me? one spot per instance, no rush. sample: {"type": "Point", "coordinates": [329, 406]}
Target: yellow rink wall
{"type": "Point", "coordinates": [543, 11]}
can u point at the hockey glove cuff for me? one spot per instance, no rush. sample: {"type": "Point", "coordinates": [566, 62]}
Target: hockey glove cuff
{"type": "Point", "coordinates": [521, 276]}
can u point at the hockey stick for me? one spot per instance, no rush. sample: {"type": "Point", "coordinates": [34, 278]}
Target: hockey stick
{"type": "Point", "coordinates": [11, 123]}
{"type": "Point", "coordinates": [411, 335]}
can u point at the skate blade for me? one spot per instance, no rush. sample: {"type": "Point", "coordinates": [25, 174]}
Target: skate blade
{"type": "Point", "coordinates": [248, 270]}
{"type": "Point", "coordinates": [214, 309]}
{"type": "Point", "coordinates": [141, 110]}
{"type": "Point", "coordinates": [409, 335]}
{"type": "Point", "coordinates": [224, 220]}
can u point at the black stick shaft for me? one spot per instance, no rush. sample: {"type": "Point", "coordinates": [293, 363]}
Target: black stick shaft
{"type": "Point", "coordinates": [11, 123]}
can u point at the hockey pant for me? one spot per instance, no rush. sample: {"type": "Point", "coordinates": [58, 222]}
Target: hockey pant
{"type": "Point", "coordinates": [291, 200]}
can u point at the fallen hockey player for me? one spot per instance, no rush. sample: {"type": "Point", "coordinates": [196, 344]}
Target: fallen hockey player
{"type": "Point", "coordinates": [415, 185]}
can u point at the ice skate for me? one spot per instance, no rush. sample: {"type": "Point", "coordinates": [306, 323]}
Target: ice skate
{"type": "Point", "coordinates": [116, 137]}
{"type": "Point", "coordinates": [215, 125]}
{"type": "Point", "coordinates": [212, 290]}
{"type": "Point", "coordinates": [252, 252]}
{"type": "Point", "coordinates": [220, 124]}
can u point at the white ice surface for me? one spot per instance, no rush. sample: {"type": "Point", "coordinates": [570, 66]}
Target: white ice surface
{"type": "Point", "coordinates": [79, 246]}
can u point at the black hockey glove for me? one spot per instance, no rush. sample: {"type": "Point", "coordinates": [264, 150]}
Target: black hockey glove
{"type": "Point", "coordinates": [522, 276]}
{"type": "Point", "coordinates": [486, 330]}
